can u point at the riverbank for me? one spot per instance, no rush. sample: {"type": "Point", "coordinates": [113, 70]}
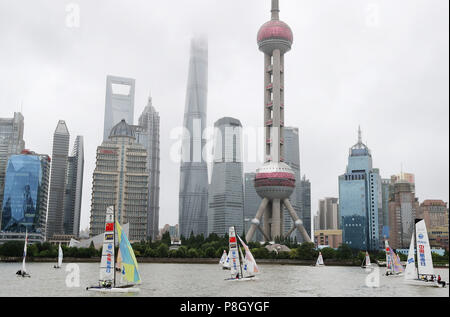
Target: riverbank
{"type": "Point", "coordinates": [190, 261]}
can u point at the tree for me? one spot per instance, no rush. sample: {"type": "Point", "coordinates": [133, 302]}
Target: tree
{"type": "Point", "coordinates": [307, 251]}
{"type": "Point", "coordinates": [166, 239]}
{"type": "Point", "coordinates": [162, 251]}
{"type": "Point", "coordinates": [344, 252]}
{"type": "Point", "coordinates": [328, 253]}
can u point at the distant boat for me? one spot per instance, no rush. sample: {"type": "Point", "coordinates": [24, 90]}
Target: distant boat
{"type": "Point", "coordinates": [129, 273]}
{"type": "Point", "coordinates": [23, 271]}
{"type": "Point", "coordinates": [225, 261]}
{"type": "Point", "coordinates": [366, 262]}
{"type": "Point", "coordinates": [421, 272]}
{"type": "Point", "coordinates": [319, 261]}
{"type": "Point", "coordinates": [60, 257]}
{"type": "Point", "coordinates": [242, 268]}
{"type": "Point", "coordinates": [393, 263]}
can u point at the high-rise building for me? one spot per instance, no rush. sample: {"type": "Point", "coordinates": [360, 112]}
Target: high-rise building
{"type": "Point", "coordinates": [275, 181]}
{"type": "Point", "coordinates": [328, 215]}
{"type": "Point", "coordinates": [11, 142]}
{"type": "Point", "coordinates": [74, 189]}
{"type": "Point", "coordinates": [385, 192]}
{"type": "Point", "coordinates": [435, 213]}
{"type": "Point", "coordinates": [305, 187]}
{"type": "Point", "coordinates": [360, 200]}
{"type": "Point", "coordinates": [147, 134]}
{"type": "Point", "coordinates": [120, 179]}
{"type": "Point", "coordinates": [26, 192]}
{"type": "Point", "coordinates": [55, 217]}
{"type": "Point", "coordinates": [119, 103]}
{"type": "Point", "coordinates": [226, 192]}
{"type": "Point", "coordinates": [403, 210]}
{"type": "Point", "coordinates": [193, 194]}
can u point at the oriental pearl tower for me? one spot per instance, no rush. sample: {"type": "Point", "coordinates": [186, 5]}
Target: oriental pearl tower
{"type": "Point", "coordinates": [275, 181]}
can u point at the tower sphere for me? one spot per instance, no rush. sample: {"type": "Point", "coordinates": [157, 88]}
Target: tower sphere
{"type": "Point", "coordinates": [275, 34]}
{"type": "Point", "coordinates": [275, 181]}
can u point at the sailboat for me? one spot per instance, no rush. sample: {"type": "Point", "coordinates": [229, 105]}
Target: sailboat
{"type": "Point", "coordinates": [320, 260]}
{"type": "Point", "coordinates": [421, 272]}
{"type": "Point", "coordinates": [366, 262]}
{"type": "Point", "coordinates": [23, 271]}
{"type": "Point", "coordinates": [242, 268]}
{"type": "Point", "coordinates": [225, 261]}
{"type": "Point", "coordinates": [60, 257]}
{"type": "Point", "coordinates": [393, 264]}
{"type": "Point", "coordinates": [129, 273]}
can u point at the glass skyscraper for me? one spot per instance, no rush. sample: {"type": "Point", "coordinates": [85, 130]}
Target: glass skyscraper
{"type": "Point", "coordinates": [360, 200]}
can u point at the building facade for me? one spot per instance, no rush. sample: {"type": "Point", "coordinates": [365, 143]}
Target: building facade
{"type": "Point", "coordinates": [328, 214]}
{"type": "Point", "coordinates": [305, 187]}
{"type": "Point", "coordinates": [55, 218]}
{"type": "Point", "coordinates": [226, 192]}
{"type": "Point", "coordinates": [193, 193]}
{"type": "Point", "coordinates": [328, 238]}
{"type": "Point", "coordinates": [147, 134]}
{"type": "Point", "coordinates": [435, 213]}
{"type": "Point", "coordinates": [11, 142]}
{"type": "Point", "coordinates": [360, 200]}
{"type": "Point", "coordinates": [120, 179]}
{"type": "Point", "coordinates": [26, 192]}
{"type": "Point", "coordinates": [119, 103]}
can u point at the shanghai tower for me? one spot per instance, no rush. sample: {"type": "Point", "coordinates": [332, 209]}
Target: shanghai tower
{"type": "Point", "coordinates": [275, 181]}
{"type": "Point", "coordinates": [193, 197]}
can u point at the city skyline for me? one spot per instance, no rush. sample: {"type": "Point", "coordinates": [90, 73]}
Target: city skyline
{"type": "Point", "coordinates": [388, 116]}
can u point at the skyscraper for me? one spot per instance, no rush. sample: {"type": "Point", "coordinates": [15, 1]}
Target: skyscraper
{"type": "Point", "coordinates": [328, 215]}
{"type": "Point", "coordinates": [193, 197]}
{"type": "Point", "coordinates": [360, 200]}
{"type": "Point", "coordinates": [305, 187]}
{"type": "Point", "coordinates": [119, 103]}
{"type": "Point", "coordinates": [26, 192]}
{"type": "Point", "coordinates": [74, 189]}
{"type": "Point", "coordinates": [55, 218]}
{"type": "Point", "coordinates": [385, 191]}
{"type": "Point", "coordinates": [11, 142]}
{"type": "Point", "coordinates": [147, 134]}
{"type": "Point", "coordinates": [275, 181]}
{"type": "Point", "coordinates": [120, 179]}
{"type": "Point", "coordinates": [226, 192]}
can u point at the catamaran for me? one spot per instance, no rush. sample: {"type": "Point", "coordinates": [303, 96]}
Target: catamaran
{"type": "Point", "coordinates": [393, 264]}
{"type": "Point", "coordinates": [23, 271]}
{"type": "Point", "coordinates": [319, 261]}
{"type": "Point", "coordinates": [366, 262]}
{"type": "Point", "coordinates": [421, 272]}
{"type": "Point", "coordinates": [225, 261]}
{"type": "Point", "coordinates": [242, 268]}
{"type": "Point", "coordinates": [129, 274]}
{"type": "Point", "coordinates": [60, 257]}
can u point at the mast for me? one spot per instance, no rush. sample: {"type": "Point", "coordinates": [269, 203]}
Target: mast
{"type": "Point", "coordinates": [239, 254]}
{"type": "Point", "coordinates": [416, 258]}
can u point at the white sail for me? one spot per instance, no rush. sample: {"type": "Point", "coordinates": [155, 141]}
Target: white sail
{"type": "Point", "coordinates": [223, 259]}
{"type": "Point", "coordinates": [368, 259]}
{"type": "Point", "coordinates": [234, 256]}
{"type": "Point", "coordinates": [388, 257]}
{"type": "Point", "coordinates": [249, 260]}
{"type": "Point", "coordinates": [411, 271]}
{"type": "Point", "coordinates": [60, 255]}
{"type": "Point", "coordinates": [424, 259]}
{"type": "Point", "coordinates": [320, 260]}
{"type": "Point", "coordinates": [25, 252]}
{"type": "Point", "coordinates": [107, 261]}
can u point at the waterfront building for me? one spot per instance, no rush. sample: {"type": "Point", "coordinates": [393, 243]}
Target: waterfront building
{"type": "Point", "coordinates": [435, 213]}
{"type": "Point", "coordinates": [74, 189]}
{"type": "Point", "coordinates": [328, 215]}
{"type": "Point", "coordinates": [119, 103]}
{"type": "Point", "coordinates": [120, 179]}
{"type": "Point", "coordinates": [403, 210]}
{"type": "Point", "coordinates": [226, 192]}
{"type": "Point", "coordinates": [55, 217]}
{"type": "Point", "coordinates": [385, 192]}
{"type": "Point", "coordinates": [305, 187]}
{"type": "Point", "coordinates": [148, 134]}
{"type": "Point", "coordinates": [438, 237]}
{"type": "Point", "coordinates": [24, 206]}
{"type": "Point", "coordinates": [275, 181]}
{"type": "Point", "coordinates": [193, 192]}
{"type": "Point", "coordinates": [11, 142]}
{"type": "Point", "coordinates": [328, 238]}
{"type": "Point", "coordinates": [360, 200]}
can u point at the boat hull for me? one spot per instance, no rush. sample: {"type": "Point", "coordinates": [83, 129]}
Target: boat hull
{"type": "Point", "coordinates": [244, 279]}
{"type": "Point", "coordinates": [113, 290]}
{"type": "Point", "coordinates": [418, 282]}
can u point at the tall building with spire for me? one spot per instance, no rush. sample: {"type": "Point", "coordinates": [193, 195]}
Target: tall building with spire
{"type": "Point", "coordinates": [193, 193]}
{"type": "Point", "coordinates": [275, 181]}
{"type": "Point", "coordinates": [55, 218]}
{"type": "Point", "coordinates": [360, 200]}
{"type": "Point", "coordinates": [147, 134]}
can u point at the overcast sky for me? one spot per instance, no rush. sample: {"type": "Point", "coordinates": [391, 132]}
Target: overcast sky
{"type": "Point", "coordinates": [380, 64]}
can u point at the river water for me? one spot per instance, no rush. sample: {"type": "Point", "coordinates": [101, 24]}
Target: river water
{"type": "Point", "coordinates": [198, 280]}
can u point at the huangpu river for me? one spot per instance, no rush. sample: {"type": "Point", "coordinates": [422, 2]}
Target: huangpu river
{"type": "Point", "coordinates": [207, 280]}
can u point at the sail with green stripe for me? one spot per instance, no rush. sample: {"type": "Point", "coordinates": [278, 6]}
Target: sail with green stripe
{"type": "Point", "coordinates": [129, 265]}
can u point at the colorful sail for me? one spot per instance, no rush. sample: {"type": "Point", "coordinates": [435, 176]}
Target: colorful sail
{"type": "Point", "coordinates": [130, 271]}
{"type": "Point", "coordinates": [234, 256]}
{"type": "Point", "coordinates": [411, 271]}
{"type": "Point", "coordinates": [424, 259]}
{"type": "Point", "coordinates": [107, 261]}
{"type": "Point", "coordinates": [388, 257]}
{"type": "Point", "coordinates": [250, 262]}
{"type": "Point", "coordinates": [396, 264]}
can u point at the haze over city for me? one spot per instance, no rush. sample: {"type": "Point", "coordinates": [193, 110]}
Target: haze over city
{"type": "Point", "coordinates": [377, 64]}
